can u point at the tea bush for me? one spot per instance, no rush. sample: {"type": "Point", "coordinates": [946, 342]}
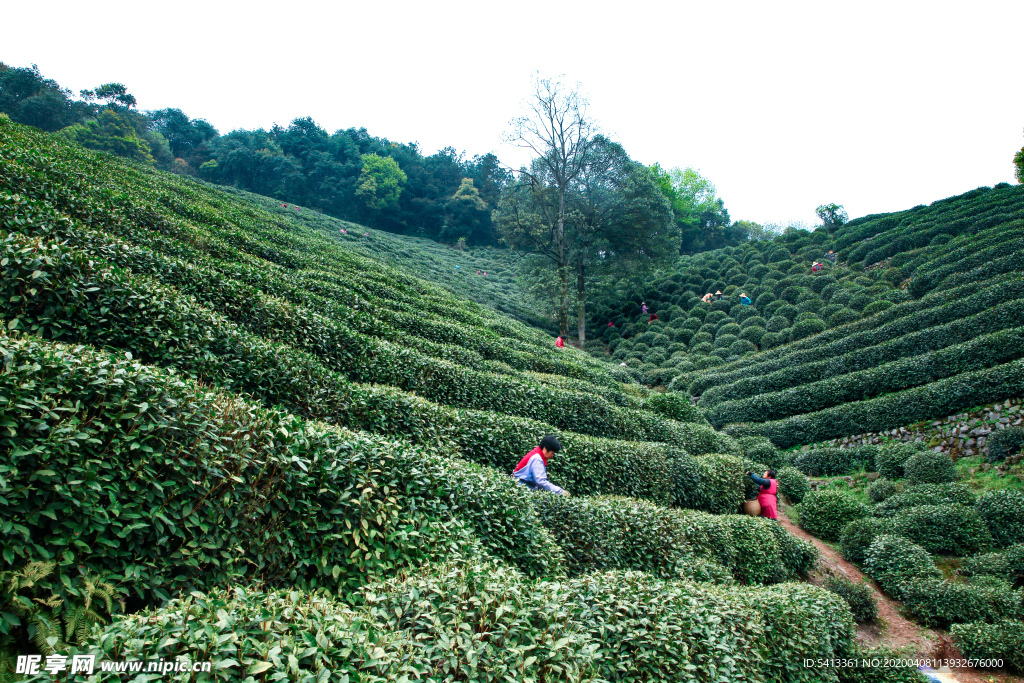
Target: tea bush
{"type": "Point", "coordinates": [895, 562]}
{"type": "Point", "coordinates": [1005, 442]}
{"type": "Point", "coordinates": [764, 451]}
{"type": "Point", "coordinates": [928, 467]}
{"type": "Point", "coordinates": [1007, 565]}
{"type": "Point", "coordinates": [943, 529]}
{"type": "Point", "coordinates": [892, 457]}
{"type": "Point", "coordinates": [830, 462]}
{"type": "Point", "coordinates": [857, 536]}
{"type": "Point", "coordinates": [950, 314]}
{"type": "Point", "coordinates": [858, 596]}
{"type": "Point", "coordinates": [712, 483]}
{"type": "Point", "coordinates": [1003, 512]}
{"type": "Point", "coordinates": [927, 494]}
{"type": "Point", "coordinates": [1003, 640]}
{"type": "Point", "coordinates": [826, 512]}
{"type": "Point", "coordinates": [214, 473]}
{"type": "Point", "coordinates": [793, 484]}
{"type": "Point", "coordinates": [881, 489]}
{"type": "Point", "coordinates": [608, 626]}
{"type": "Point", "coordinates": [941, 603]}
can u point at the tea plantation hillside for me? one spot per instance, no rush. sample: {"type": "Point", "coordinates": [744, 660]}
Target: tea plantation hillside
{"type": "Point", "coordinates": [277, 454]}
{"type": "Point", "coordinates": [913, 316]}
{"type": "Point", "coordinates": [485, 275]}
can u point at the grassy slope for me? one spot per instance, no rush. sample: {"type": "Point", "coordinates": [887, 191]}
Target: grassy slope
{"type": "Point", "coordinates": [432, 261]}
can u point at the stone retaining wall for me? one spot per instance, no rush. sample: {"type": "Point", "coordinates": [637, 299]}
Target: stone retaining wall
{"type": "Point", "coordinates": [959, 435]}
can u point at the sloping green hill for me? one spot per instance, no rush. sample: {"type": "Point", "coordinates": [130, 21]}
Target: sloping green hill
{"type": "Point", "coordinates": [921, 316]}
{"type": "Point", "coordinates": [198, 391]}
{"type": "Point", "coordinates": [461, 272]}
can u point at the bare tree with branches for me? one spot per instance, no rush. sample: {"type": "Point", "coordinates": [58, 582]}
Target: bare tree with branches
{"type": "Point", "coordinates": [559, 133]}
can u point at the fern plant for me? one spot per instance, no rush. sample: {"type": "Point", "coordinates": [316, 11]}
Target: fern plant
{"type": "Point", "coordinates": [52, 621]}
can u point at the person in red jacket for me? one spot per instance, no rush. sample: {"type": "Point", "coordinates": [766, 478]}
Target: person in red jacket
{"type": "Point", "coordinates": [532, 469]}
{"type": "Point", "coordinates": [560, 343]}
{"type": "Point", "coordinates": [768, 494]}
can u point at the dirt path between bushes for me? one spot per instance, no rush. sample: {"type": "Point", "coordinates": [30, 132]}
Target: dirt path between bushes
{"type": "Point", "coordinates": [891, 628]}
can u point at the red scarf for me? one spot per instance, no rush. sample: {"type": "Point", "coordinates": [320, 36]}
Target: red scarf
{"type": "Point", "coordinates": [526, 459]}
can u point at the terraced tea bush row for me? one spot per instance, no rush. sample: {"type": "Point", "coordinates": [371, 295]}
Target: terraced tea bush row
{"type": "Point", "coordinates": [944, 397]}
{"type": "Point", "coordinates": [130, 472]}
{"type": "Point", "coordinates": [103, 297]}
{"type": "Point", "coordinates": [968, 213]}
{"type": "Point", "coordinates": [47, 176]}
{"type": "Point", "coordinates": [941, 603]}
{"type": "Point", "coordinates": [1005, 251]}
{"type": "Point", "coordinates": [233, 468]}
{"type": "Point", "coordinates": [934, 310]}
{"type": "Point", "coordinates": [611, 626]}
{"type": "Point", "coordinates": [831, 462]}
{"type": "Point", "coordinates": [826, 512]}
{"type": "Point", "coordinates": [942, 337]}
{"type": "Point", "coordinates": [858, 596]}
{"type": "Point", "coordinates": [279, 375]}
{"type": "Point", "coordinates": [930, 494]}
{"type": "Point", "coordinates": [213, 289]}
{"type": "Point", "coordinates": [942, 529]}
{"type": "Point", "coordinates": [617, 533]}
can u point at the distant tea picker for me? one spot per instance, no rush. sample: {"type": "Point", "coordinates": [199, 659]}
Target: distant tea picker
{"type": "Point", "coordinates": [532, 469]}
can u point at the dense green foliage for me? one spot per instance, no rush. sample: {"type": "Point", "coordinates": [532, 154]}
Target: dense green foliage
{"type": "Point", "coordinates": [928, 494]}
{"type": "Point", "coordinates": [943, 529]}
{"type": "Point", "coordinates": [927, 467]}
{"type": "Point", "coordinates": [612, 626]}
{"type": "Point", "coordinates": [894, 562]}
{"type": "Point", "coordinates": [829, 462]}
{"type": "Point", "coordinates": [1003, 512]}
{"type": "Point", "coordinates": [826, 512]}
{"type": "Point", "coordinates": [858, 596]}
{"type": "Point", "coordinates": [197, 391]}
{"type": "Point", "coordinates": [793, 484]}
{"type": "Point", "coordinates": [882, 489]}
{"type": "Point", "coordinates": [858, 535]}
{"type": "Point", "coordinates": [1006, 442]}
{"type": "Point", "coordinates": [1003, 640]}
{"type": "Point", "coordinates": [918, 316]}
{"type": "Point", "coordinates": [712, 483]}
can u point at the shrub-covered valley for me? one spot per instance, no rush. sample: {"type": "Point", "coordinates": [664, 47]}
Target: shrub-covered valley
{"type": "Point", "coordinates": [281, 442]}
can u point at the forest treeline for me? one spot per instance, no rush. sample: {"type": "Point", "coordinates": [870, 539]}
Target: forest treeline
{"type": "Point", "coordinates": [348, 174]}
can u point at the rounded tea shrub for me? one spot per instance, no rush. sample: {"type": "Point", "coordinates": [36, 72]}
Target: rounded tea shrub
{"type": "Point", "coordinates": [892, 560]}
{"type": "Point", "coordinates": [882, 488]}
{"type": "Point", "coordinates": [858, 596]}
{"type": "Point", "coordinates": [1002, 640]}
{"type": "Point", "coordinates": [793, 484]}
{"type": "Point", "coordinates": [1005, 442]}
{"type": "Point", "coordinates": [1003, 512]}
{"type": "Point", "coordinates": [825, 513]}
{"type": "Point", "coordinates": [892, 456]}
{"type": "Point", "coordinates": [807, 328]}
{"type": "Point", "coordinates": [761, 449]}
{"type": "Point", "coordinates": [943, 529]}
{"type": "Point", "coordinates": [940, 603]}
{"type": "Point", "coordinates": [925, 494]}
{"type": "Point", "coordinates": [929, 467]}
{"type": "Point", "coordinates": [858, 535]}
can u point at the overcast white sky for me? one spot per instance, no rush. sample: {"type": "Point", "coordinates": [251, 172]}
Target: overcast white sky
{"type": "Point", "coordinates": [876, 105]}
